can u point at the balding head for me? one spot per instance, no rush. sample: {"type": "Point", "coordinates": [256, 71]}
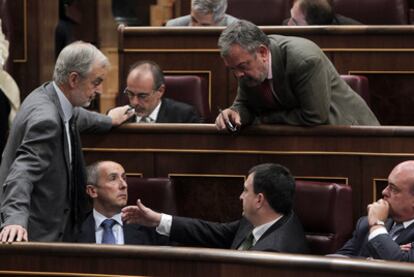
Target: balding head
{"type": "Point", "coordinates": [400, 191]}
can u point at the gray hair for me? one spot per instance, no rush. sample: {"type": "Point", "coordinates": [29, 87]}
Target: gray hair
{"type": "Point", "coordinates": [77, 57]}
{"type": "Point", "coordinates": [244, 33]}
{"type": "Point", "coordinates": [92, 173]}
{"type": "Point", "coordinates": [216, 7]}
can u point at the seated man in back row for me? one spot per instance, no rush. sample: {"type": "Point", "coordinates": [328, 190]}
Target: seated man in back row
{"type": "Point", "coordinates": [145, 88]}
{"type": "Point", "coordinates": [316, 12]}
{"type": "Point", "coordinates": [268, 223]}
{"type": "Point", "coordinates": [108, 189]}
{"type": "Point", "coordinates": [204, 13]}
{"type": "Point", "coordinates": [388, 230]}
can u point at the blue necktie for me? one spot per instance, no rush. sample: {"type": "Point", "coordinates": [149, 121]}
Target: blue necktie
{"type": "Point", "coordinates": [108, 236]}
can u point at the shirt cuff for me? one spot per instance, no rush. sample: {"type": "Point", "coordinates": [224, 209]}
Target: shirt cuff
{"type": "Point", "coordinates": [376, 232]}
{"type": "Point", "coordinates": [164, 228]}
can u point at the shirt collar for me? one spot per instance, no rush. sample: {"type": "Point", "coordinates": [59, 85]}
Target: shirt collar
{"type": "Point", "coordinates": [408, 223]}
{"type": "Point", "coordinates": [154, 115]}
{"type": "Point", "coordinates": [270, 73]}
{"type": "Point", "coordinates": [99, 218]}
{"type": "Point", "coordinates": [261, 229]}
{"type": "Point", "coordinates": [64, 103]}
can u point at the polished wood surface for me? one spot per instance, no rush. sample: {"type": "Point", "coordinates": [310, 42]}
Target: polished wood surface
{"type": "Point", "coordinates": [382, 53]}
{"type": "Point", "coordinates": [211, 166]}
{"type": "Point", "coordinates": [59, 259]}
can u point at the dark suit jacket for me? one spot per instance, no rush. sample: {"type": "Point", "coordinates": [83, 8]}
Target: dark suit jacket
{"type": "Point", "coordinates": [133, 234]}
{"type": "Point", "coordinates": [336, 20]}
{"type": "Point", "coordinates": [172, 111]}
{"type": "Point", "coordinates": [309, 89]}
{"type": "Point", "coordinates": [381, 247]}
{"type": "Point", "coordinates": [186, 20]}
{"type": "Point", "coordinates": [286, 235]}
{"type": "Point", "coordinates": [35, 175]}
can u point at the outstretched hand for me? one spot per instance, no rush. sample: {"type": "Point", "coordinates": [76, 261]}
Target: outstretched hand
{"type": "Point", "coordinates": [140, 214]}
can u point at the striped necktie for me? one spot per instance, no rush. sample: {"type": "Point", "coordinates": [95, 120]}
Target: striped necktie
{"type": "Point", "coordinates": [247, 243]}
{"type": "Point", "coordinates": [396, 230]}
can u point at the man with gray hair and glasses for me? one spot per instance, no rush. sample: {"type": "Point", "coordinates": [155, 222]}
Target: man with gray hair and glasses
{"type": "Point", "coordinates": [285, 80]}
{"type": "Point", "coordinates": [145, 90]}
{"type": "Point", "coordinates": [42, 174]}
{"type": "Point", "coordinates": [205, 13]}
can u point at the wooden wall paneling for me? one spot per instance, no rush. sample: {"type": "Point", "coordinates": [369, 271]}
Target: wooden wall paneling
{"type": "Point", "coordinates": [60, 259]}
{"type": "Point", "coordinates": [207, 196]}
{"type": "Point", "coordinates": [382, 53]}
{"type": "Point", "coordinates": [32, 42]}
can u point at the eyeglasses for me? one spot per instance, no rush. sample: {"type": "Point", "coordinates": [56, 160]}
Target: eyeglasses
{"type": "Point", "coordinates": [293, 22]}
{"type": "Point", "coordinates": [139, 95]}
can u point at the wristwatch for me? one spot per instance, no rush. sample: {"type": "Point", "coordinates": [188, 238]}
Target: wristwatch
{"type": "Point", "coordinates": [379, 222]}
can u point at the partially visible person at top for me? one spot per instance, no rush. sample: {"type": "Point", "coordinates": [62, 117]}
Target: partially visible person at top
{"type": "Point", "coordinates": [316, 12]}
{"type": "Point", "coordinates": [205, 13]}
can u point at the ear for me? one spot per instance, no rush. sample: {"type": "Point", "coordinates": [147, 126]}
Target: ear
{"type": "Point", "coordinates": [92, 191]}
{"type": "Point", "coordinates": [73, 79]}
{"type": "Point", "coordinates": [263, 52]}
{"type": "Point", "coordinates": [260, 200]}
{"type": "Point", "coordinates": [161, 90]}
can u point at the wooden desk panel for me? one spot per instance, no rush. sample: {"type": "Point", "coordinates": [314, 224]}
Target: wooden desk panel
{"type": "Point", "coordinates": [59, 259]}
{"type": "Point", "coordinates": [382, 53]}
{"type": "Point", "coordinates": [350, 155]}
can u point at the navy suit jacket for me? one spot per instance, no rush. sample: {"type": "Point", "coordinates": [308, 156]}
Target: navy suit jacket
{"type": "Point", "coordinates": [172, 111]}
{"type": "Point", "coordinates": [286, 235]}
{"type": "Point", "coordinates": [133, 234]}
{"type": "Point", "coordinates": [382, 246]}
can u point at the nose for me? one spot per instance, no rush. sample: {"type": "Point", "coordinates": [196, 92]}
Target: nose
{"type": "Point", "coordinates": [385, 192]}
{"type": "Point", "coordinates": [134, 101]}
{"type": "Point", "coordinates": [123, 184]}
{"type": "Point", "coordinates": [241, 196]}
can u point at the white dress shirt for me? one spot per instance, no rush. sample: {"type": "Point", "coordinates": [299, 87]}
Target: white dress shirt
{"type": "Point", "coordinates": [116, 229]}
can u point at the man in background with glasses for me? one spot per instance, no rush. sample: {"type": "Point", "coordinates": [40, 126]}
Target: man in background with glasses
{"type": "Point", "coordinates": [145, 88]}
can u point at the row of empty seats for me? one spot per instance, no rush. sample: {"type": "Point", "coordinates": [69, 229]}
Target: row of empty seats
{"type": "Point", "coordinates": [323, 208]}
{"type": "Point", "coordinates": [193, 89]}
{"type": "Point", "coordinates": [369, 12]}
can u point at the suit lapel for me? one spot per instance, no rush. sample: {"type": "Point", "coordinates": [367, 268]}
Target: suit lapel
{"type": "Point", "coordinates": [129, 234]}
{"type": "Point", "coordinates": [406, 235]}
{"type": "Point", "coordinates": [162, 113]}
{"type": "Point", "coordinates": [244, 230]}
{"type": "Point", "coordinates": [87, 234]}
{"type": "Point", "coordinates": [50, 91]}
{"type": "Point", "coordinates": [271, 229]}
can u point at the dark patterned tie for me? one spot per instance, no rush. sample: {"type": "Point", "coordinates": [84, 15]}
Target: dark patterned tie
{"type": "Point", "coordinates": [396, 230]}
{"type": "Point", "coordinates": [77, 187]}
{"type": "Point", "coordinates": [266, 94]}
{"type": "Point", "coordinates": [145, 119]}
{"type": "Point", "coordinates": [247, 243]}
{"type": "Point", "coordinates": [108, 235]}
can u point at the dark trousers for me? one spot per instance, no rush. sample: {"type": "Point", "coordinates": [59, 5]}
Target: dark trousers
{"type": "Point", "coordinates": [4, 117]}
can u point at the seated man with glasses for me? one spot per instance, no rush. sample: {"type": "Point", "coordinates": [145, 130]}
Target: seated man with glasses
{"type": "Point", "coordinates": [145, 88]}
